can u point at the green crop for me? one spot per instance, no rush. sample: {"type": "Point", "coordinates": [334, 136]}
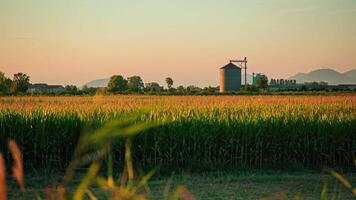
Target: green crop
{"type": "Point", "coordinates": [194, 132]}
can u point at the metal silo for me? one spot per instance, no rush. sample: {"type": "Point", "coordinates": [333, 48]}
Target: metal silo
{"type": "Point", "coordinates": [230, 78]}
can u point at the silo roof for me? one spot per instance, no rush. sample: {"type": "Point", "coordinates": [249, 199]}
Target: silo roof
{"type": "Point", "coordinates": [230, 66]}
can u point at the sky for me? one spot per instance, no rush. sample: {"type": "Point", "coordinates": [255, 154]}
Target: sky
{"type": "Point", "coordinates": [76, 41]}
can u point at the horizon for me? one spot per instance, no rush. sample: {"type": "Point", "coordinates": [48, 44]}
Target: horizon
{"type": "Point", "coordinates": [162, 83]}
{"type": "Point", "coordinates": [78, 42]}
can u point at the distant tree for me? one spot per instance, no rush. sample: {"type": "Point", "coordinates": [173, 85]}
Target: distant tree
{"type": "Point", "coordinates": [303, 88]}
{"type": "Point", "coordinates": [89, 90]}
{"type": "Point", "coordinates": [193, 89]}
{"type": "Point", "coordinates": [85, 87]}
{"type": "Point", "coordinates": [169, 82]}
{"type": "Point", "coordinates": [135, 83]}
{"type": "Point", "coordinates": [5, 83]}
{"type": "Point", "coordinates": [262, 81]}
{"type": "Point", "coordinates": [250, 88]}
{"type": "Point", "coordinates": [153, 87]}
{"type": "Point", "coordinates": [101, 90]}
{"type": "Point", "coordinates": [210, 89]}
{"type": "Point", "coordinates": [20, 83]}
{"type": "Point", "coordinates": [72, 89]}
{"type": "Point", "coordinates": [323, 84]}
{"type": "Point", "coordinates": [117, 83]}
{"type": "Point", "coordinates": [181, 89]}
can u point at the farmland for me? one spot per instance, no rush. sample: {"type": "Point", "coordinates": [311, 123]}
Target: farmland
{"type": "Point", "coordinates": [196, 133]}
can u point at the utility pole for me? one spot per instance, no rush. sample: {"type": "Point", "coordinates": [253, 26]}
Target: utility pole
{"type": "Point", "coordinates": [245, 72]}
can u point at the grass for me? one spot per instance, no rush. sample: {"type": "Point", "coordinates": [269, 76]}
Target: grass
{"type": "Point", "coordinates": [254, 185]}
{"type": "Point", "coordinates": [244, 185]}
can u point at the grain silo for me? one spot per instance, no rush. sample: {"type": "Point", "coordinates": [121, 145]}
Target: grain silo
{"type": "Point", "coordinates": [230, 78]}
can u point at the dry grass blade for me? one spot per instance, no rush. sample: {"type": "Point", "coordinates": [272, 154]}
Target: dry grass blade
{"type": "Point", "coordinates": [354, 192]}
{"type": "Point", "coordinates": [298, 197]}
{"type": "Point", "coordinates": [2, 178]}
{"type": "Point", "coordinates": [61, 192]}
{"type": "Point", "coordinates": [342, 180]}
{"type": "Point", "coordinates": [48, 192]}
{"type": "Point", "coordinates": [130, 172]}
{"type": "Point", "coordinates": [118, 128]}
{"type": "Point", "coordinates": [184, 194]}
{"type": "Point", "coordinates": [86, 181]}
{"type": "Point", "coordinates": [111, 182]}
{"type": "Point", "coordinates": [91, 195]}
{"type": "Point", "coordinates": [103, 183]}
{"type": "Point", "coordinates": [146, 178]}
{"type": "Point", "coordinates": [324, 192]}
{"type": "Point", "coordinates": [17, 168]}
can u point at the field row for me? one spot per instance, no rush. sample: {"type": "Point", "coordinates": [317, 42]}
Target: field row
{"type": "Point", "coordinates": [196, 133]}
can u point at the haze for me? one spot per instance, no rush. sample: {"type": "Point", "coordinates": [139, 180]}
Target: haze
{"type": "Point", "coordinates": [73, 42]}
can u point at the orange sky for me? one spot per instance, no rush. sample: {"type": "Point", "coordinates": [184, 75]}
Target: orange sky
{"type": "Point", "coordinates": [73, 42]}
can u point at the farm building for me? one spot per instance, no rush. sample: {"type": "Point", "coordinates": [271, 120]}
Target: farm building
{"type": "Point", "coordinates": [230, 78]}
{"type": "Point", "coordinates": [256, 76]}
{"type": "Point", "coordinates": [45, 88]}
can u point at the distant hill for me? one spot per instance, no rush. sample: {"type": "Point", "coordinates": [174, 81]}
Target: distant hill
{"type": "Point", "coordinates": [98, 83]}
{"type": "Point", "coordinates": [330, 76]}
{"type": "Point", "coordinates": [351, 74]}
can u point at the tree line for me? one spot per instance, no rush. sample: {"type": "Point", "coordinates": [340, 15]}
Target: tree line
{"type": "Point", "coordinates": [20, 84]}
{"type": "Point", "coordinates": [118, 83]}
{"type": "Point", "coordinates": [135, 84]}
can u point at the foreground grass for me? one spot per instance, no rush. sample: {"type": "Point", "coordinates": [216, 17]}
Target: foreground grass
{"type": "Point", "coordinates": [229, 185]}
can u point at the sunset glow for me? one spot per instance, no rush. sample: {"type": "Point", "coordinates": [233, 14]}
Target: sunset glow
{"type": "Point", "coordinates": [73, 42]}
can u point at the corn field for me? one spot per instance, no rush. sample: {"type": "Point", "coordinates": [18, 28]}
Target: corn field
{"type": "Point", "coordinates": [195, 132]}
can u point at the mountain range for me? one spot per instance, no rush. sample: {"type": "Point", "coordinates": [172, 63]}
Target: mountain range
{"type": "Point", "coordinates": [330, 76]}
{"type": "Point", "coordinates": [98, 83]}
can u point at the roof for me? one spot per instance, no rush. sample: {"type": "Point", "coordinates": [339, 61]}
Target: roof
{"type": "Point", "coordinates": [230, 66]}
{"type": "Point", "coordinates": [55, 86]}
{"type": "Point", "coordinates": [40, 84]}
{"type": "Point", "coordinates": [45, 86]}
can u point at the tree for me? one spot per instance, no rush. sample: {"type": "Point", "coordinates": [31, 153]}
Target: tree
{"type": "Point", "coordinates": [250, 88]}
{"type": "Point", "coordinates": [5, 83]}
{"type": "Point", "coordinates": [89, 90]}
{"type": "Point", "coordinates": [169, 82]}
{"type": "Point", "coordinates": [210, 89]}
{"type": "Point", "coordinates": [135, 83]}
{"type": "Point", "coordinates": [153, 87]}
{"type": "Point", "coordinates": [117, 83]}
{"type": "Point", "coordinates": [85, 87]}
{"type": "Point", "coordinates": [20, 83]}
{"type": "Point", "coordinates": [181, 89]}
{"type": "Point", "coordinates": [193, 89]}
{"type": "Point", "coordinates": [72, 89]}
{"type": "Point", "coordinates": [262, 81]}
